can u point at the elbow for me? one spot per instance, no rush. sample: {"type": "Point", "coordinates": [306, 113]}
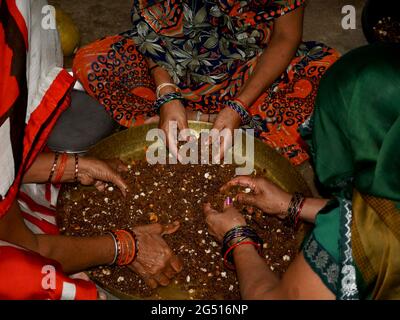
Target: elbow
{"type": "Point", "coordinates": [291, 39]}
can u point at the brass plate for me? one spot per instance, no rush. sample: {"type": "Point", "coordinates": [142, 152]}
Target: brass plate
{"type": "Point", "coordinates": [131, 144]}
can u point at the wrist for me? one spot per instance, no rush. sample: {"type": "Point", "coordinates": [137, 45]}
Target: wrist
{"type": "Point", "coordinates": [244, 250]}
{"type": "Point", "coordinates": [238, 237]}
{"type": "Point", "coordinates": [125, 247]}
{"type": "Point", "coordinates": [84, 164]}
{"type": "Point", "coordinates": [245, 103]}
{"type": "Point", "coordinates": [295, 208]}
{"type": "Point", "coordinates": [167, 90]}
{"type": "Point", "coordinates": [167, 101]}
{"type": "Point", "coordinates": [285, 203]}
{"type": "Point", "coordinates": [242, 116]}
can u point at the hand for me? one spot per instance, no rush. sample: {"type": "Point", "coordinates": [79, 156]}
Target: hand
{"type": "Point", "coordinates": [156, 263]}
{"type": "Point", "coordinates": [173, 111]}
{"type": "Point", "coordinates": [220, 223]}
{"type": "Point", "coordinates": [226, 119]}
{"type": "Point", "coordinates": [97, 172]}
{"type": "Point", "coordinates": [266, 195]}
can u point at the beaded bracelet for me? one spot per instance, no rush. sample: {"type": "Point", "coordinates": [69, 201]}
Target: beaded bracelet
{"type": "Point", "coordinates": [295, 207]}
{"type": "Point", "coordinates": [53, 168]}
{"type": "Point", "coordinates": [76, 168]}
{"type": "Point", "coordinates": [165, 99]}
{"type": "Point", "coordinates": [244, 115]}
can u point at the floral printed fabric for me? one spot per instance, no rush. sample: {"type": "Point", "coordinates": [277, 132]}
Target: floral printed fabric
{"type": "Point", "coordinates": [204, 41]}
{"type": "Point", "coordinates": [114, 71]}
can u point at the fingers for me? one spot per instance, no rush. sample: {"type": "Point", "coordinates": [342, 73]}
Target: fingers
{"type": "Point", "coordinates": [176, 263]}
{"type": "Point", "coordinates": [228, 203]}
{"type": "Point", "coordinates": [120, 183]}
{"type": "Point", "coordinates": [152, 283]}
{"type": "Point", "coordinates": [155, 119]}
{"type": "Point", "coordinates": [169, 272]}
{"type": "Point", "coordinates": [171, 143]}
{"type": "Point", "coordinates": [170, 228]}
{"type": "Point", "coordinates": [216, 140]}
{"type": "Point", "coordinates": [242, 181]}
{"type": "Point", "coordinates": [118, 165]}
{"type": "Point", "coordinates": [162, 279]}
{"type": "Point", "coordinates": [158, 228]}
{"type": "Point", "coordinates": [247, 199]}
{"type": "Point", "coordinates": [100, 185]}
{"type": "Point", "coordinates": [208, 210]}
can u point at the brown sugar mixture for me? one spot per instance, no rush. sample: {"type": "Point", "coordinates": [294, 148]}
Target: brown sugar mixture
{"type": "Point", "coordinates": [387, 30]}
{"type": "Point", "coordinates": [163, 194]}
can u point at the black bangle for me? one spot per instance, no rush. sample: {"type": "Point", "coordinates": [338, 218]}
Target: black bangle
{"type": "Point", "coordinates": [237, 235]}
{"type": "Point", "coordinates": [165, 99]}
{"type": "Point", "coordinates": [153, 67]}
{"type": "Point", "coordinates": [294, 209]}
{"type": "Point", "coordinates": [243, 113]}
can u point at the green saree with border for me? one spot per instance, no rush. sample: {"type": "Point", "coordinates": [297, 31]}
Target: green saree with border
{"type": "Point", "coordinates": [354, 138]}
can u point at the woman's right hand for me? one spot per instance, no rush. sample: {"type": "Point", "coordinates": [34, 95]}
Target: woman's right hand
{"type": "Point", "coordinates": [173, 111]}
{"type": "Point", "coordinates": [265, 195]}
{"type": "Point", "coordinates": [156, 263]}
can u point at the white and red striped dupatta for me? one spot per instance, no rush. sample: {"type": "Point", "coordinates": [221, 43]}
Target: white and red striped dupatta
{"type": "Point", "coordinates": [34, 91]}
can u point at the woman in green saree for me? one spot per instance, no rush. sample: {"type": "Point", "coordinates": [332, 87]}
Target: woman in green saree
{"type": "Point", "coordinates": [353, 250]}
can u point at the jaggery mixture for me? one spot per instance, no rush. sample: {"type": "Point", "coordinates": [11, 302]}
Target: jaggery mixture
{"type": "Point", "coordinates": [163, 194]}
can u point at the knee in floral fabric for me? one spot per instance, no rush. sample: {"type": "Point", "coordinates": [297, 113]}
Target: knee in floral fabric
{"type": "Point", "coordinates": [25, 275]}
{"type": "Point", "coordinates": [113, 72]}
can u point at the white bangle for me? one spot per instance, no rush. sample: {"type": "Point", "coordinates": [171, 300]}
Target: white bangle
{"type": "Point", "coordinates": [116, 248]}
{"type": "Point", "coordinates": [164, 85]}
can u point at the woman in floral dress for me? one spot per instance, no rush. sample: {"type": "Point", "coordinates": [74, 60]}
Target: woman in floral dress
{"type": "Point", "coordinates": [215, 52]}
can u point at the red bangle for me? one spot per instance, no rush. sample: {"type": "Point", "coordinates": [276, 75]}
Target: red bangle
{"type": "Point", "coordinates": [245, 106]}
{"type": "Point", "coordinates": [127, 249]}
{"type": "Point", "coordinates": [299, 212]}
{"type": "Point", "coordinates": [231, 267]}
{"type": "Point", "coordinates": [61, 169]}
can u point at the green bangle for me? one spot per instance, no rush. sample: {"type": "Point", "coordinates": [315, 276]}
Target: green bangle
{"type": "Point", "coordinates": [165, 99]}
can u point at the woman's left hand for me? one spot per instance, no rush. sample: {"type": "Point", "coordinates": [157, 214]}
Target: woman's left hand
{"type": "Point", "coordinates": [227, 119]}
{"type": "Point", "coordinates": [220, 223]}
{"type": "Point", "coordinates": [97, 172]}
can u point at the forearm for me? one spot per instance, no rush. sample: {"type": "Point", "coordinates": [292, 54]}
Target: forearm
{"type": "Point", "coordinates": [255, 277]}
{"type": "Point", "coordinates": [40, 170]}
{"type": "Point", "coordinates": [77, 253]}
{"type": "Point", "coordinates": [74, 254]}
{"type": "Point", "coordinates": [272, 63]}
{"type": "Point", "coordinates": [160, 76]}
{"type": "Point", "coordinates": [311, 208]}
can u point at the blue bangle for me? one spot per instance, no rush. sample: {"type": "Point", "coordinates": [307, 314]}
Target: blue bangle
{"type": "Point", "coordinates": [165, 99]}
{"type": "Point", "coordinates": [244, 115]}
